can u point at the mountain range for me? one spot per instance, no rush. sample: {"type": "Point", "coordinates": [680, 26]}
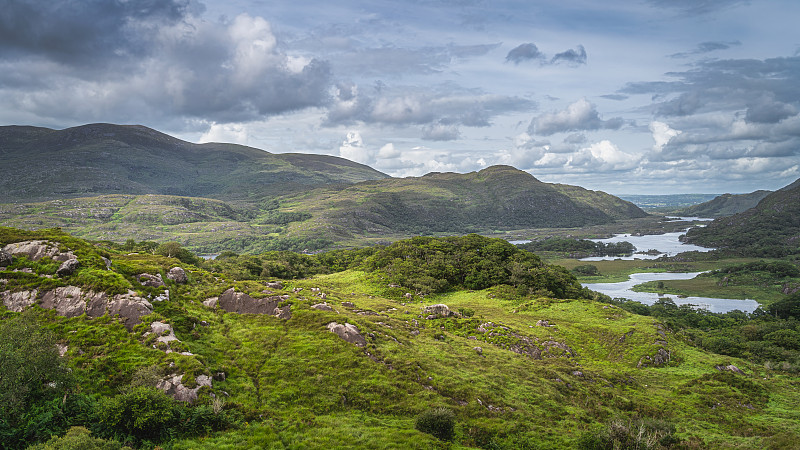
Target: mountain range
{"type": "Point", "coordinates": [105, 181]}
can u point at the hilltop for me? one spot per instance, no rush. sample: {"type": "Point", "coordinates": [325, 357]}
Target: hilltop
{"type": "Point", "coordinates": [771, 228]}
{"type": "Point", "coordinates": [725, 205]}
{"type": "Point", "coordinates": [96, 159]}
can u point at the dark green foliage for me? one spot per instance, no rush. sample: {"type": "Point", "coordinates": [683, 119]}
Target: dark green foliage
{"type": "Point", "coordinates": [586, 269]}
{"type": "Point", "coordinates": [174, 250]}
{"type": "Point", "coordinates": [439, 422]}
{"type": "Point", "coordinates": [140, 413]}
{"type": "Point", "coordinates": [582, 247]}
{"type": "Point", "coordinates": [78, 438]}
{"type": "Point", "coordinates": [788, 307]}
{"type": "Point", "coordinates": [429, 265]}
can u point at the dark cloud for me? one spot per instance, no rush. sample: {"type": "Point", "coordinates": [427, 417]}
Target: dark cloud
{"type": "Point", "coordinates": [579, 116]}
{"type": "Point", "coordinates": [767, 110]}
{"type": "Point", "coordinates": [524, 52]}
{"type": "Point", "coordinates": [225, 71]}
{"type": "Point", "coordinates": [617, 97]}
{"type": "Point", "coordinates": [707, 47]}
{"type": "Point", "coordinates": [441, 132]}
{"type": "Point", "coordinates": [85, 31]}
{"type": "Point", "coordinates": [572, 56]}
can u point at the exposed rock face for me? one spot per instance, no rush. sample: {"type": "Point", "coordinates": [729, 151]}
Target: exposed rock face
{"type": "Point", "coordinates": [730, 368]}
{"type": "Point", "coordinates": [68, 267]}
{"type": "Point", "coordinates": [71, 301]}
{"type": "Point", "coordinates": [211, 302]}
{"type": "Point", "coordinates": [146, 279]}
{"type": "Point", "coordinates": [348, 332]}
{"type": "Point", "coordinates": [174, 386]}
{"type": "Point", "coordinates": [33, 250]}
{"type": "Point", "coordinates": [5, 258]}
{"type": "Point", "coordinates": [241, 303]}
{"type": "Point", "coordinates": [178, 275]}
{"type": "Point", "coordinates": [436, 311]}
{"type": "Point", "coordinates": [275, 285]}
{"type": "Point", "coordinates": [17, 301]}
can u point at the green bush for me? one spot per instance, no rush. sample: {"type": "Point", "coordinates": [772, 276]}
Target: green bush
{"type": "Point", "coordinates": [141, 412]}
{"type": "Point", "coordinates": [78, 438]}
{"type": "Point", "coordinates": [439, 422]}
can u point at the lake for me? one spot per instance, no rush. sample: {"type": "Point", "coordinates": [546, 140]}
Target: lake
{"type": "Point", "coordinates": [667, 244]}
{"type": "Point", "coordinates": [623, 290]}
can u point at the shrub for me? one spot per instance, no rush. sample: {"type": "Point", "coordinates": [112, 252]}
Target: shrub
{"type": "Point", "coordinates": [78, 438]}
{"type": "Point", "coordinates": [439, 422]}
{"type": "Point", "coordinates": [141, 412]}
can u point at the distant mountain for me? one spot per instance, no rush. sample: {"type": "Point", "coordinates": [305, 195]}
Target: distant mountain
{"type": "Point", "coordinates": [498, 197]}
{"type": "Point", "coordinates": [725, 205]}
{"type": "Point", "coordinates": [666, 202]}
{"type": "Point", "coordinates": [771, 228]}
{"type": "Point", "coordinates": [44, 164]}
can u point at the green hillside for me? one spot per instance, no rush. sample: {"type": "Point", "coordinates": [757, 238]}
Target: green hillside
{"type": "Point", "coordinates": [90, 160]}
{"type": "Point", "coordinates": [495, 198]}
{"type": "Point", "coordinates": [772, 228]}
{"type": "Point", "coordinates": [725, 205]}
{"type": "Point", "coordinates": [358, 356]}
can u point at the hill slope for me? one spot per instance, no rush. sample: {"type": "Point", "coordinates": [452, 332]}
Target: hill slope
{"type": "Point", "coordinates": [97, 159]}
{"type": "Point", "coordinates": [268, 365]}
{"type": "Point", "coordinates": [498, 197]}
{"type": "Point", "coordinates": [725, 205]}
{"type": "Point", "coordinates": [771, 228]}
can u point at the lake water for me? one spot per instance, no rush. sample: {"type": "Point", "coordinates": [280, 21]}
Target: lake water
{"type": "Point", "coordinates": [623, 290]}
{"type": "Point", "coordinates": [667, 244]}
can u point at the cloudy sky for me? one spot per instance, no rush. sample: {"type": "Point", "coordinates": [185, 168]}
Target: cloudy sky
{"type": "Point", "coordinates": [625, 96]}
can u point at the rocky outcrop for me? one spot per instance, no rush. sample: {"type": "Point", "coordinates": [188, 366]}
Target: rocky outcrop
{"type": "Point", "coordinates": [437, 311]}
{"type": "Point", "coordinates": [348, 332]}
{"type": "Point", "coordinates": [68, 267]}
{"type": "Point", "coordinates": [211, 302]}
{"type": "Point", "coordinates": [178, 275]}
{"type": "Point", "coordinates": [146, 279]}
{"type": "Point", "coordinates": [71, 301]}
{"type": "Point", "coordinates": [173, 386]}
{"type": "Point", "coordinates": [322, 307]}
{"type": "Point", "coordinates": [729, 368]}
{"type": "Point", "coordinates": [239, 302]}
{"type": "Point", "coordinates": [33, 250]}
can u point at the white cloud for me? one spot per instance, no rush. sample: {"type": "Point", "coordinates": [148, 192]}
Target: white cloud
{"type": "Point", "coordinates": [580, 115]}
{"type": "Point", "coordinates": [353, 148]}
{"type": "Point", "coordinates": [229, 132]}
{"type": "Point", "coordinates": [662, 133]}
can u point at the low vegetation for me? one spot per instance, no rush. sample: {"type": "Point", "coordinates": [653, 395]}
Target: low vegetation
{"type": "Point", "coordinates": [525, 359]}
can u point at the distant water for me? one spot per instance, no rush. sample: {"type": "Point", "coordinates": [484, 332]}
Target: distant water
{"type": "Point", "coordinates": [667, 244]}
{"type": "Point", "coordinates": [623, 290]}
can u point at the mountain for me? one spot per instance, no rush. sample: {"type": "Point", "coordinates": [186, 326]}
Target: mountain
{"type": "Point", "coordinates": [498, 197]}
{"type": "Point", "coordinates": [89, 160]}
{"type": "Point", "coordinates": [725, 205]}
{"type": "Point", "coordinates": [771, 228]}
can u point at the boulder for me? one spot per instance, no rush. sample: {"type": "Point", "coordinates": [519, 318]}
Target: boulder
{"type": "Point", "coordinates": [274, 285]}
{"type": "Point", "coordinates": [729, 368]}
{"type": "Point", "coordinates": [18, 301]}
{"type": "Point", "coordinates": [242, 303]}
{"type": "Point", "coordinates": [5, 258]}
{"type": "Point", "coordinates": [146, 279]}
{"type": "Point", "coordinates": [68, 267]}
{"type": "Point", "coordinates": [178, 275]}
{"type": "Point", "coordinates": [130, 308]}
{"type": "Point", "coordinates": [661, 357]}
{"type": "Point", "coordinates": [348, 332]}
{"type": "Point", "coordinates": [322, 307]}
{"type": "Point", "coordinates": [436, 311]}
{"type": "Point", "coordinates": [67, 301]}
{"type": "Point", "coordinates": [107, 262]}
{"type": "Point", "coordinates": [284, 313]}
{"type": "Point", "coordinates": [33, 250]}
{"type": "Point", "coordinates": [211, 302]}
{"type": "Point", "coordinates": [174, 387]}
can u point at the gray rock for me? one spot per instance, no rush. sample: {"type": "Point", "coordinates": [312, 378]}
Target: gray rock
{"type": "Point", "coordinates": [33, 250]}
{"type": "Point", "coordinates": [178, 275]}
{"type": "Point", "coordinates": [478, 350]}
{"type": "Point", "coordinates": [174, 387]}
{"type": "Point", "coordinates": [661, 357]}
{"type": "Point", "coordinates": [68, 267]}
{"type": "Point", "coordinates": [274, 285]}
{"type": "Point", "coordinates": [322, 307]}
{"type": "Point", "coordinates": [130, 308]}
{"type": "Point", "coordinates": [18, 301]}
{"type": "Point", "coordinates": [284, 313]}
{"type": "Point", "coordinates": [729, 368]}
{"type": "Point", "coordinates": [241, 303]}
{"type": "Point", "coordinates": [438, 310]}
{"type": "Point", "coordinates": [348, 332]}
{"type": "Point", "coordinates": [211, 302]}
{"type": "Point", "coordinates": [107, 262]}
{"type": "Point", "coordinates": [348, 304]}
{"type": "Point", "coordinates": [67, 301]}
{"type": "Point", "coordinates": [5, 258]}
{"type": "Point", "coordinates": [146, 279]}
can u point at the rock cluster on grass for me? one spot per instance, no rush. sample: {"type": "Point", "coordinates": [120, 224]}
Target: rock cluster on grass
{"type": "Point", "coordinates": [173, 386]}
{"type": "Point", "coordinates": [178, 275]}
{"type": "Point", "coordinates": [146, 279]}
{"type": "Point", "coordinates": [348, 332]}
{"type": "Point", "coordinates": [437, 311]}
{"type": "Point", "coordinates": [239, 302]}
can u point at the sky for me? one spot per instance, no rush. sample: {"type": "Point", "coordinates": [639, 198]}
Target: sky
{"type": "Point", "coordinates": [623, 96]}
